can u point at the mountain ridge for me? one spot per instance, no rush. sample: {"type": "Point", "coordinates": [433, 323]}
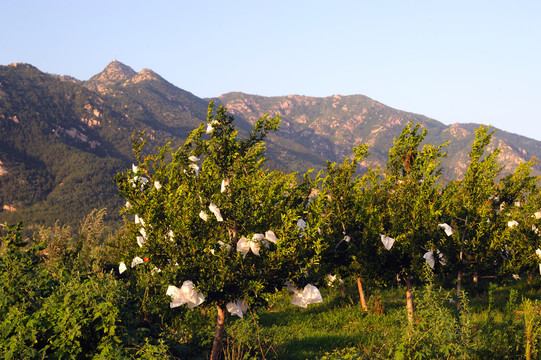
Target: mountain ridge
{"type": "Point", "coordinates": [347, 120]}
{"type": "Point", "coordinates": [65, 138]}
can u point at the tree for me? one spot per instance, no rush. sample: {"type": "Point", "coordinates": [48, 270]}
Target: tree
{"type": "Point", "coordinates": [207, 216]}
{"type": "Point", "coordinates": [410, 204]}
{"type": "Point", "coordinates": [352, 225]}
{"type": "Point", "coordinates": [516, 238]}
{"type": "Point", "coordinates": [471, 210]}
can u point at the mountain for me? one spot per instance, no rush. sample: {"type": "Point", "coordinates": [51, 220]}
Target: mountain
{"type": "Point", "coordinates": [62, 139]}
{"type": "Point", "coordinates": [148, 98]}
{"type": "Point", "coordinates": [54, 152]}
{"type": "Point", "coordinates": [114, 74]}
{"type": "Point", "coordinates": [332, 126]}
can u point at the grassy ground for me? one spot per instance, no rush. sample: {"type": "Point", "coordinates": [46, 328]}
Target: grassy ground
{"type": "Point", "coordinates": [492, 325]}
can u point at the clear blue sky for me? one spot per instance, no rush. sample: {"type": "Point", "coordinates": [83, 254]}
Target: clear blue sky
{"type": "Point", "coordinates": [454, 61]}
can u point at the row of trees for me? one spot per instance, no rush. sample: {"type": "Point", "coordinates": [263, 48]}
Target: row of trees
{"type": "Point", "coordinates": [481, 224]}
{"type": "Point", "coordinates": [208, 226]}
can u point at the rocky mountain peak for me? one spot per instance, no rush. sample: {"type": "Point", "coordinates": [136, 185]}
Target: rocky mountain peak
{"type": "Point", "coordinates": [113, 74]}
{"type": "Point", "coordinates": [117, 71]}
{"type": "Point", "coordinates": [145, 74]}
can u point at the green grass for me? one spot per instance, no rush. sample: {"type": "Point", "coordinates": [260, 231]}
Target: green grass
{"type": "Point", "coordinates": [491, 326]}
{"type": "Point", "coordinates": [291, 332]}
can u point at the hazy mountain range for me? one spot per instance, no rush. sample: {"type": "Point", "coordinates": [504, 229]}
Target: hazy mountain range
{"type": "Point", "coordinates": [62, 139]}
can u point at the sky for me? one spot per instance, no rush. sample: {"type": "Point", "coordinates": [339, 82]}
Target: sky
{"type": "Point", "coordinates": [472, 61]}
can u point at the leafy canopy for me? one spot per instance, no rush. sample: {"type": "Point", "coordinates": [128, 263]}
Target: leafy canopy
{"type": "Point", "coordinates": [204, 203]}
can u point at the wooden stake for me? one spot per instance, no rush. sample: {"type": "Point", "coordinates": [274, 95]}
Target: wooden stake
{"type": "Point", "coordinates": [459, 282]}
{"type": "Point", "coordinates": [409, 300]}
{"type": "Point", "coordinates": [361, 293]}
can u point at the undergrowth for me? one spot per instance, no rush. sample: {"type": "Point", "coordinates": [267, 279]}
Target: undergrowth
{"type": "Point", "coordinates": [51, 311]}
{"type": "Point", "coordinates": [499, 325]}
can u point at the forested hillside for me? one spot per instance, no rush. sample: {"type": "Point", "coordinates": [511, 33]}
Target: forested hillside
{"type": "Point", "coordinates": [58, 161]}
{"type": "Point", "coordinates": [64, 139]}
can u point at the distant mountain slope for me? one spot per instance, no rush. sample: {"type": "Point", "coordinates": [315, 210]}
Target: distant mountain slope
{"type": "Point", "coordinates": [329, 126]}
{"type": "Point", "coordinates": [333, 125]}
{"type": "Point", "coordinates": [57, 161]}
{"type": "Point", "coordinates": [148, 98]}
{"type": "Point", "coordinates": [62, 139]}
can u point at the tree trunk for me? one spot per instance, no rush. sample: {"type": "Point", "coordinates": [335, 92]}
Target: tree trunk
{"type": "Point", "coordinates": [409, 299]}
{"type": "Point", "coordinates": [361, 293]}
{"type": "Point", "coordinates": [220, 325]}
{"type": "Point", "coordinates": [459, 281]}
{"type": "Point", "coordinates": [458, 288]}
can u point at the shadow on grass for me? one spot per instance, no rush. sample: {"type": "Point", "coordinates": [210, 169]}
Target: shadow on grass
{"type": "Point", "coordinates": [314, 347]}
{"type": "Point", "coordinates": [285, 314]}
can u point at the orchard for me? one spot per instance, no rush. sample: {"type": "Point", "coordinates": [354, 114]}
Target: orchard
{"type": "Point", "coordinates": [214, 242]}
